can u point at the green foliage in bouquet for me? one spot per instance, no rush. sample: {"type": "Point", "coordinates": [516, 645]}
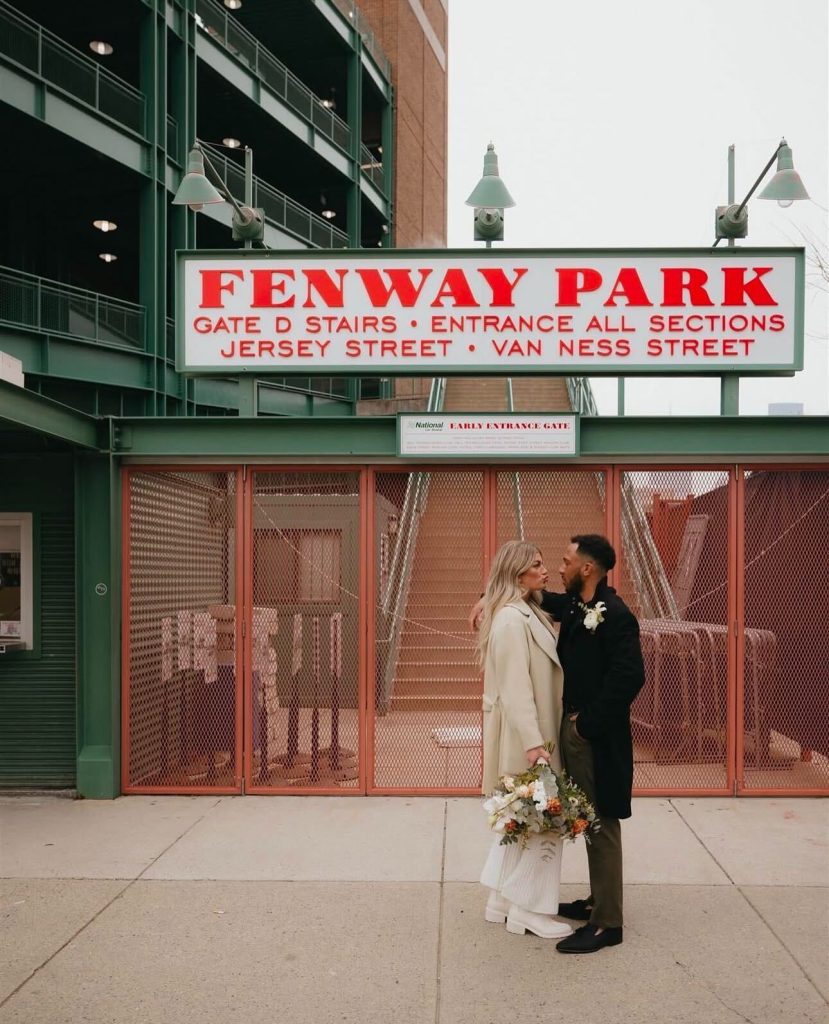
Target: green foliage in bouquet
{"type": "Point", "coordinates": [540, 800]}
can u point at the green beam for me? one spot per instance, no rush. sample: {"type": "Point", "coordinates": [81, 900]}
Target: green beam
{"type": "Point", "coordinates": [367, 437]}
{"type": "Point", "coordinates": [23, 408]}
{"type": "Point", "coordinates": [98, 597]}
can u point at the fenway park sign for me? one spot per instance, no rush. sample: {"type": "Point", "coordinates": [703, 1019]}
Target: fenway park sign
{"type": "Point", "coordinates": [505, 312]}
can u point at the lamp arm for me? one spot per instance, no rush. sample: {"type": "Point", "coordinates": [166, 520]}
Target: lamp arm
{"type": "Point", "coordinates": [753, 188]}
{"type": "Point", "coordinates": [762, 175]}
{"type": "Point", "coordinates": [219, 181]}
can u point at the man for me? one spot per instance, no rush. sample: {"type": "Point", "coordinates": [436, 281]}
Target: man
{"type": "Point", "coordinates": [600, 653]}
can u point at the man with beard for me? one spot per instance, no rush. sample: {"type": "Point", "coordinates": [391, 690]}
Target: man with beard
{"type": "Point", "coordinates": [601, 655]}
{"type": "Point", "coordinates": [600, 652]}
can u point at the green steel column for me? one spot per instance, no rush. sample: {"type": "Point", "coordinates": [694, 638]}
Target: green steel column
{"type": "Point", "coordinates": [387, 136]}
{"type": "Point", "coordinates": [153, 210]}
{"type": "Point", "coordinates": [98, 597]}
{"type": "Point", "coordinates": [182, 101]}
{"type": "Point", "coordinates": [355, 124]}
{"type": "Point", "coordinates": [730, 385]}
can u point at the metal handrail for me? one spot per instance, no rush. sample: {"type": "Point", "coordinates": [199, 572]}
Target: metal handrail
{"type": "Point", "coordinates": [40, 51]}
{"type": "Point", "coordinates": [40, 304]}
{"type": "Point", "coordinates": [226, 30]}
{"type": "Point", "coordinates": [372, 167]}
{"type": "Point", "coordinates": [279, 209]}
{"type": "Point", "coordinates": [653, 590]}
{"type": "Point", "coordinates": [400, 569]}
{"type": "Point", "coordinates": [370, 41]}
{"type": "Point", "coordinates": [516, 479]}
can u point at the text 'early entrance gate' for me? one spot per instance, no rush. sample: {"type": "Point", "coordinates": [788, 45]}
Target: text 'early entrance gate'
{"type": "Point", "coordinates": [305, 631]}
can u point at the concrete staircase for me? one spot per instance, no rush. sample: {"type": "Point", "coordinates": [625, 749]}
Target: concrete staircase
{"type": "Point", "coordinates": [437, 667]}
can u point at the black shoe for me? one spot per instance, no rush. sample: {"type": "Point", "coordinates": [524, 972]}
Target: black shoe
{"type": "Point", "coordinates": [585, 940]}
{"type": "Point", "coordinates": [578, 910]}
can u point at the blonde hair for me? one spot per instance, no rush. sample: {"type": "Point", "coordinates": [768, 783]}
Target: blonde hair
{"type": "Point", "coordinates": [511, 562]}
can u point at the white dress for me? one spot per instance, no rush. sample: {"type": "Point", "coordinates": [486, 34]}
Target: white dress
{"type": "Point", "coordinates": [529, 877]}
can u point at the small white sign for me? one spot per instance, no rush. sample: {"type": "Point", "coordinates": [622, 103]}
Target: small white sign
{"type": "Point", "coordinates": [487, 435]}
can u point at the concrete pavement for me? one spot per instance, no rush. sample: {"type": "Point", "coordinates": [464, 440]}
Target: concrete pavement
{"type": "Point", "coordinates": [147, 910]}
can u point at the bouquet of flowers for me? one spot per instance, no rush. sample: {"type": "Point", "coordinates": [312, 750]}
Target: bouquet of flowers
{"type": "Point", "coordinates": [540, 800]}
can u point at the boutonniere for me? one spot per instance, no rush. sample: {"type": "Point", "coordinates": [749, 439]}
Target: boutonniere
{"type": "Point", "coordinates": [593, 616]}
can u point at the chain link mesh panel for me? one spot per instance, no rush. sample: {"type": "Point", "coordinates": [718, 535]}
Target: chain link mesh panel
{"type": "Point", "coordinates": [673, 573]}
{"type": "Point", "coordinates": [427, 683]}
{"type": "Point", "coordinates": [547, 507]}
{"type": "Point", "coordinates": [785, 696]}
{"type": "Point", "coordinates": [182, 631]}
{"type": "Point", "coordinates": [305, 651]}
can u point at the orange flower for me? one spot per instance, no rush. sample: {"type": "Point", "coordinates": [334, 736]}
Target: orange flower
{"type": "Point", "coordinates": [579, 826]}
{"type": "Point", "coordinates": [554, 806]}
{"type": "Point", "coordinates": [511, 826]}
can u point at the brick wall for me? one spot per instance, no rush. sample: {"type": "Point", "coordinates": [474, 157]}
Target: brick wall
{"type": "Point", "coordinates": [413, 34]}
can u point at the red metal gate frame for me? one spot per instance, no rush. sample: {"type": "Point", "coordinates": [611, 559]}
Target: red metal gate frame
{"type": "Point", "coordinates": [735, 556]}
{"type": "Point", "coordinates": [371, 569]}
{"type": "Point", "coordinates": [740, 787]}
{"type": "Point", "coordinates": [734, 630]}
{"type": "Point", "coordinates": [365, 596]}
{"type": "Point", "coordinates": [127, 472]}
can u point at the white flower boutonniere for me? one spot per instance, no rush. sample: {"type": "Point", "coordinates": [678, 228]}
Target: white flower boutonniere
{"type": "Point", "coordinates": [593, 616]}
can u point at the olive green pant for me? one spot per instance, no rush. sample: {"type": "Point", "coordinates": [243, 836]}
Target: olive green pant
{"type": "Point", "coordinates": [604, 851]}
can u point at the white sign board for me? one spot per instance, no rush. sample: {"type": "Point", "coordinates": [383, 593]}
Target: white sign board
{"type": "Point", "coordinates": [490, 435]}
{"type": "Point", "coordinates": [621, 312]}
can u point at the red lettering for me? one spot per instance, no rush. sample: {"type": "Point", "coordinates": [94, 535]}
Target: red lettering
{"type": "Point", "coordinates": [502, 289]}
{"type": "Point", "coordinates": [735, 288]}
{"type": "Point", "coordinates": [573, 280]}
{"type": "Point", "coordinates": [264, 286]}
{"type": "Point", "coordinates": [455, 286]}
{"type": "Point", "coordinates": [212, 287]}
{"type": "Point", "coordinates": [329, 291]}
{"type": "Point", "coordinates": [678, 280]}
{"type": "Point", "coordinates": [629, 285]}
{"type": "Point", "coordinates": [400, 284]}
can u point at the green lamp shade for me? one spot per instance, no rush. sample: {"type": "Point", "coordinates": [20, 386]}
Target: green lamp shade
{"type": "Point", "coordinates": [490, 192]}
{"type": "Point", "coordinates": [786, 185]}
{"type": "Point", "coordinates": [195, 189]}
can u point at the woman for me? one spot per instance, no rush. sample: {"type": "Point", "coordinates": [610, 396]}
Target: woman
{"type": "Point", "coordinates": [523, 685]}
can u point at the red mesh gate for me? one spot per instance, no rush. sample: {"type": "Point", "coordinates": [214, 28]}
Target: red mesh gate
{"type": "Point", "coordinates": [428, 555]}
{"type": "Point", "coordinates": [675, 553]}
{"type": "Point", "coordinates": [181, 707]}
{"type": "Point", "coordinates": [350, 668]}
{"type": "Point", "coordinates": [783, 725]}
{"type": "Point", "coordinates": [304, 656]}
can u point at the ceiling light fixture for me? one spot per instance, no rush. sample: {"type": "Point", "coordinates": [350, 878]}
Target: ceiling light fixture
{"type": "Point", "coordinates": [233, 5]}
{"type": "Point", "coordinates": [107, 257]}
{"type": "Point", "coordinates": [231, 143]}
{"type": "Point", "coordinates": [105, 225]}
{"type": "Point", "coordinates": [101, 48]}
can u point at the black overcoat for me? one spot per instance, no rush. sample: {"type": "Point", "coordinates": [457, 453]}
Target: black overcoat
{"type": "Point", "coordinates": [603, 672]}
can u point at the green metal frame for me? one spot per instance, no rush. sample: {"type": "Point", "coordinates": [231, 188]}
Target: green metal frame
{"type": "Point", "coordinates": [98, 566]}
{"type": "Point", "coordinates": [797, 253]}
{"type": "Point", "coordinates": [355, 439]}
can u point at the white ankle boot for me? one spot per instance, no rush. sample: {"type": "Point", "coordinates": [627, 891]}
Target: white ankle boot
{"type": "Point", "coordinates": [497, 908]}
{"type": "Point", "coordinates": [542, 925]}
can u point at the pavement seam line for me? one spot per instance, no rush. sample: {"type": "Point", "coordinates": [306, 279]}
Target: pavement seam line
{"type": "Point", "coordinates": [693, 832]}
{"type": "Point", "coordinates": [130, 883]}
{"type": "Point", "coordinates": [440, 915]}
{"type": "Point", "coordinates": [770, 927]}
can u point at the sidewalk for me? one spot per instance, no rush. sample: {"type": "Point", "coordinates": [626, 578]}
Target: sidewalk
{"type": "Point", "coordinates": [172, 910]}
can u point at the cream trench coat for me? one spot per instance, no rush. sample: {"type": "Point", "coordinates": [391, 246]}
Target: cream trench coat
{"type": "Point", "coordinates": [523, 685]}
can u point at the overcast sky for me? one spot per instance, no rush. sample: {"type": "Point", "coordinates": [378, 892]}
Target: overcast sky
{"type": "Point", "coordinates": [612, 122]}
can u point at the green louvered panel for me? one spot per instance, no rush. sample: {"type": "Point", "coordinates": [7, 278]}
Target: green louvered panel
{"type": "Point", "coordinates": [37, 695]}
